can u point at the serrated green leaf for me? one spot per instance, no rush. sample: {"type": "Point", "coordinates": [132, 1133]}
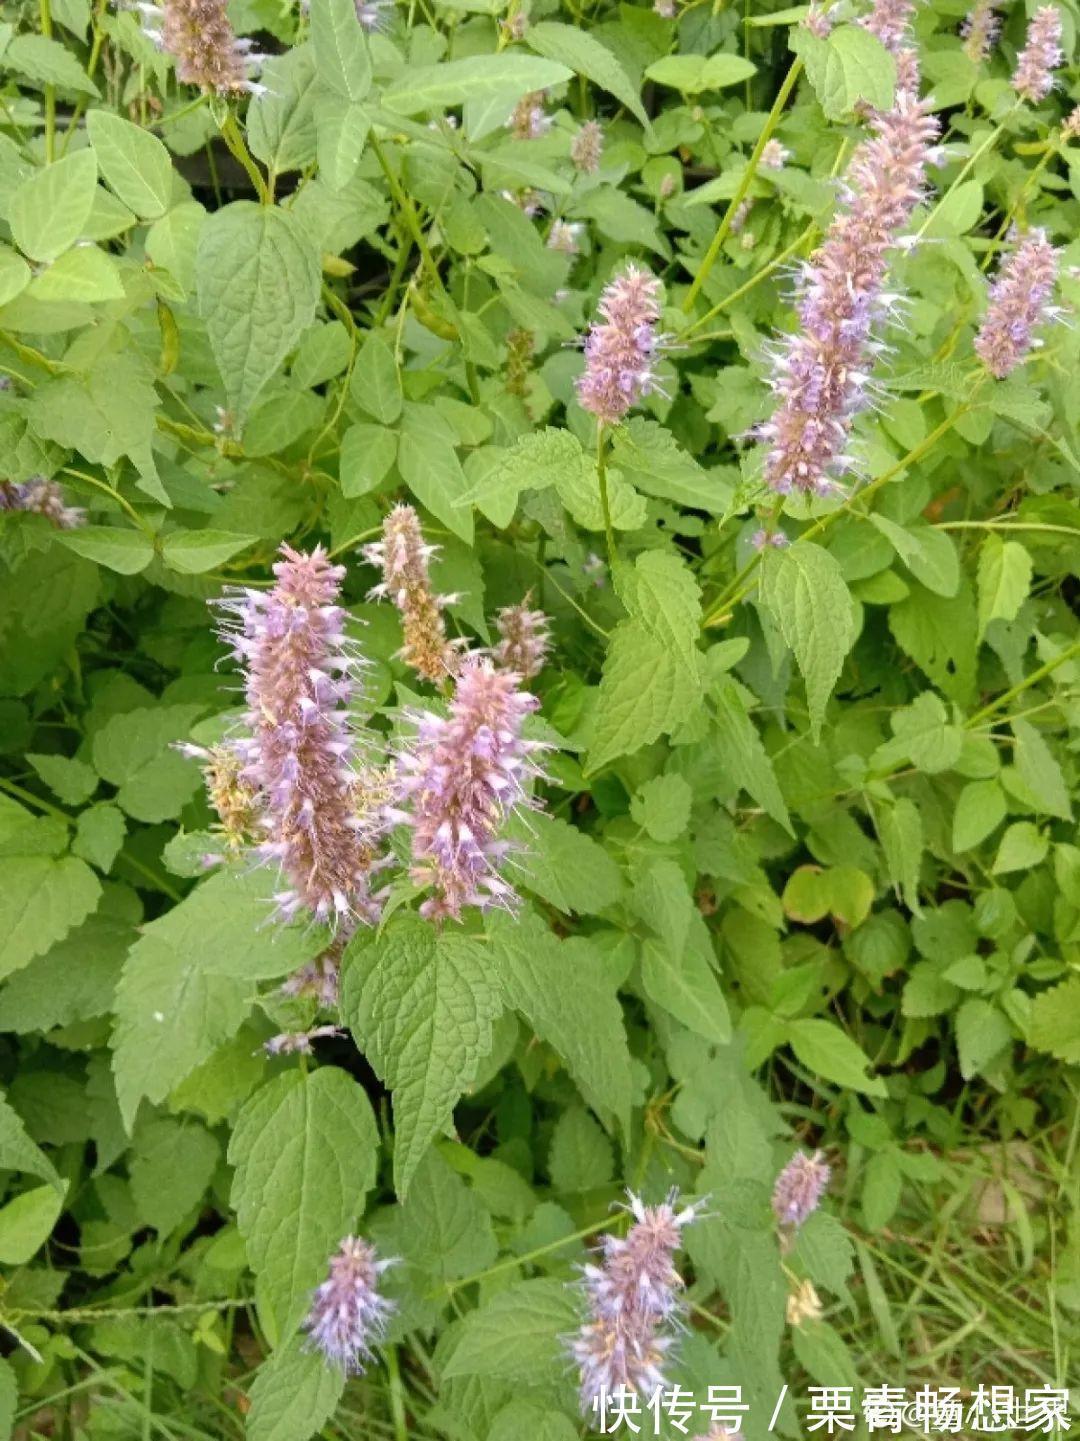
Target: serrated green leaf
{"type": "Point", "coordinates": [171, 1166]}
{"type": "Point", "coordinates": [293, 1395]}
{"type": "Point", "coordinates": [134, 163]}
{"type": "Point", "coordinates": [47, 62]}
{"type": "Point", "coordinates": [1004, 579]}
{"type": "Point", "coordinates": [18, 1152]}
{"type": "Point", "coordinates": [518, 1335]}
{"type": "Point", "coordinates": [41, 899]}
{"type": "Point", "coordinates": [587, 55]}
{"type": "Point", "coordinates": [341, 49]}
{"type": "Point", "coordinates": [125, 551]}
{"type": "Point", "coordinates": [505, 77]}
{"type": "Point", "coordinates": [191, 552]}
{"type": "Point", "coordinates": [1055, 1021]}
{"type": "Point", "coordinates": [49, 211]}
{"type": "Point", "coordinates": [563, 865]}
{"type": "Point", "coordinates": [744, 756]}
{"type": "Point", "coordinates": [26, 1223]}
{"type": "Point", "coordinates": [136, 752]}
{"type": "Point", "coordinates": [72, 780]}
{"type": "Point", "coordinates": [825, 1050]}
{"type": "Point", "coordinates": [662, 807]}
{"type": "Point", "coordinates": [980, 809]}
{"type": "Point", "coordinates": [305, 1153]}
{"type": "Point", "coordinates": [804, 590]}
{"type": "Point", "coordinates": [421, 1008]}
{"type": "Point", "coordinates": [580, 1156]}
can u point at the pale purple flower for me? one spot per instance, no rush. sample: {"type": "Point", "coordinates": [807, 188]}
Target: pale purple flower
{"type": "Point", "coordinates": [665, 9]}
{"type": "Point", "coordinates": [587, 146]}
{"type": "Point", "coordinates": [620, 349]}
{"type": "Point", "coordinates": [200, 38]}
{"type": "Point", "coordinates": [980, 30]}
{"type": "Point", "coordinates": [799, 1187]}
{"type": "Point", "coordinates": [403, 556]}
{"type": "Point", "coordinates": [565, 236]}
{"type": "Point", "coordinates": [373, 14]}
{"type": "Point", "coordinates": [299, 1043]}
{"type": "Point", "coordinates": [524, 639]}
{"type": "Point", "coordinates": [41, 497]}
{"type": "Point", "coordinates": [529, 119]}
{"type": "Point", "coordinates": [819, 20]}
{"type": "Point", "coordinates": [348, 1316]}
{"type": "Point", "coordinates": [890, 21]}
{"type": "Point", "coordinates": [741, 216]}
{"type": "Point", "coordinates": [774, 156]}
{"type": "Point", "coordinates": [320, 979]}
{"type": "Point", "coordinates": [1033, 78]}
{"type": "Point", "coordinates": [633, 1297]}
{"type": "Point", "coordinates": [774, 538]}
{"type": "Point", "coordinates": [300, 749]}
{"type": "Point", "coordinates": [1018, 303]}
{"type": "Point", "coordinates": [464, 775]}
{"type": "Point", "coordinates": [821, 371]}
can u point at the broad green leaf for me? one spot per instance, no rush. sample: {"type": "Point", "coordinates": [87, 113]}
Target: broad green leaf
{"type": "Point", "coordinates": [825, 1050]}
{"type": "Point", "coordinates": [694, 73]}
{"type": "Point", "coordinates": [293, 1395]}
{"type": "Point", "coordinates": [939, 636]}
{"type": "Point", "coordinates": [982, 1033]}
{"type": "Point", "coordinates": [188, 982]}
{"type": "Point", "coordinates": [1055, 1021]}
{"type": "Point", "coordinates": [172, 1164]}
{"type": "Point", "coordinates": [84, 274]}
{"type": "Point", "coordinates": [342, 129]}
{"type": "Point", "coordinates": [1004, 579]}
{"type": "Point", "coordinates": [367, 453]}
{"type": "Point", "coordinates": [376, 384]}
{"type": "Point", "coordinates": [125, 551]}
{"type": "Point", "coordinates": [72, 780]}
{"type": "Point", "coordinates": [744, 756]}
{"type": "Point", "coordinates": [901, 830]}
{"type": "Point", "coordinates": [928, 553]}
{"type": "Point", "coordinates": [74, 981]}
{"type": "Point", "coordinates": [518, 1335]}
{"type": "Point", "coordinates": [18, 1152]}
{"type": "Point", "coordinates": [47, 62]}
{"type": "Point", "coordinates": [563, 865]}
{"type": "Point", "coordinates": [589, 57]}
{"type": "Point", "coordinates": [1022, 848]}
{"type": "Point", "coordinates": [430, 468]}
{"type": "Point", "coordinates": [26, 1223]}
{"type": "Point", "coordinates": [134, 163]}
{"type": "Point", "coordinates": [49, 211]}
{"type": "Point", "coordinates": [41, 899]}
{"type": "Point", "coordinates": [923, 735]}
{"type": "Point", "coordinates": [857, 68]}
{"type": "Point", "coordinates": [191, 552]}
{"type": "Point", "coordinates": [521, 1418]}
{"type": "Point", "coordinates": [136, 751]}
{"type": "Point", "coordinates": [305, 1153]}
{"type": "Point", "coordinates": [258, 282]}
{"type": "Point", "coordinates": [662, 807]}
{"type": "Point", "coordinates": [420, 1006]}
{"type": "Point", "coordinates": [341, 49]}
{"type": "Point", "coordinates": [505, 77]}
{"type": "Point", "coordinates": [444, 1231]}
{"type": "Point", "coordinates": [9, 1401]}
{"type": "Point", "coordinates": [803, 588]}
{"type": "Point", "coordinates": [980, 809]}
{"type": "Point", "coordinates": [841, 891]}
{"type": "Point", "coordinates": [536, 972]}
{"type": "Point", "coordinates": [686, 987]}
{"type": "Point", "coordinates": [580, 1155]}
{"type": "Point", "coordinates": [14, 275]}
{"type": "Point", "coordinates": [99, 834]}
{"type": "Point", "coordinates": [1040, 771]}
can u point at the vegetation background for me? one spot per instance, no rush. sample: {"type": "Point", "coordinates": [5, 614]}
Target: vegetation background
{"type": "Point", "coordinates": [802, 873]}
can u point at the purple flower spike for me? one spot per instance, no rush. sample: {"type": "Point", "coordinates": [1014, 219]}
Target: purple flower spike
{"type": "Point", "coordinates": [300, 749]}
{"type": "Point", "coordinates": [200, 38]}
{"type": "Point", "coordinates": [464, 776]}
{"type": "Point", "coordinates": [403, 556]}
{"type": "Point", "coordinates": [1018, 303]}
{"type": "Point", "coordinates": [41, 497]}
{"type": "Point", "coordinates": [1033, 78]}
{"type": "Point", "coordinates": [821, 372]}
{"type": "Point", "coordinates": [890, 21]}
{"type": "Point", "coordinates": [525, 640]}
{"type": "Point", "coordinates": [348, 1316]}
{"type": "Point", "coordinates": [620, 350]}
{"type": "Point", "coordinates": [632, 1297]}
{"type": "Point", "coordinates": [979, 31]}
{"type": "Point", "coordinates": [799, 1187]}
{"type": "Point", "coordinates": [587, 147]}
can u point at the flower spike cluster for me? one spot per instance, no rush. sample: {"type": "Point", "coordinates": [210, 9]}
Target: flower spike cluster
{"type": "Point", "coordinates": [348, 1316]}
{"type": "Point", "coordinates": [890, 22]}
{"type": "Point", "coordinates": [799, 1188]}
{"type": "Point", "coordinates": [587, 147]}
{"type": "Point", "coordinates": [41, 497]}
{"type": "Point", "coordinates": [464, 776]}
{"type": "Point", "coordinates": [403, 555]}
{"type": "Point", "coordinates": [620, 349]}
{"type": "Point", "coordinates": [821, 371]}
{"type": "Point", "coordinates": [1033, 78]}
{"type": "Point", "coordinates": [632, 1297]}
{"type": "Point", "coordinates": [525, 640]}
{"type": "Point", "coordinates": [980, 30]}
{"type": "Point", "coordinates": [299, 753]}
{"type": "Point", "coordinates": [1018, 303]}
{"type": "Point", "coordinates": [206, 50]}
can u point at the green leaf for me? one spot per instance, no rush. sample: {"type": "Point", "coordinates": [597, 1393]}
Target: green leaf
{"type": "Point", "coordinates": [367, 453]}
{"type": "Point", "coordinates": [804, 590]}
{"type": "Point", "coordinates": [1040, 772]}
{"type": "Point", "coordinates": [136, 751]}
{"type": "Point", "coordinates": [521, 1418]}
{"type": "Point", "coordinates": [420, 1006]}
{"type": "Point", "coordinates": [1023, 846]}
{"type": "Point", "coordinates": [982, 1033]}
{"type": "Point", "coordinates": [305, 1153]}
{"type": "Point", "coordinates": [429, 466]}
{"type": "Point", "coordinates": [49, 211]}
{"type": "Point", "coordinates": [504, 78]}
{"type": "Point", "coordinates": [48, 63]}
{"type": "Point", "coordinates": [99, 834]}
{"type": "Point", "coordinates": [686, 987]}
{"type": "Point", "coordinates": [14, 275]}
{"type": "Point", "coordinates": [1055, 1021]}
{"type": "Point", "coordinates": [171, 1166]}
{"type": "Point", "coordinates": [518, 1335]}
{"type": "Point", "coordinates": [84, 274]}
{"type": "Point", "coordinates": [694, 73]}
{"type": "Point", "coordinates": [258, 283]}
{"type": "Point", "coordinates": [744, 756]}
{"type": "Point", "coordinates": [650, 459]}
{"type": "Point", "coordinates": [580, 1157]}
{"type": "Point", "coordinates": [928, 553]}
{"type": "Point", "coordinates": [18, 1152]}
{"type": "Point", "coordinates": [376, 384]}
{"type": "Point", "coordinates": [827, 1051]}
{"type": "Point", "coordinates": [536, 972]}
{"type": "Point", "coordinates": [187, 984]}
{"type": "Point", "coordinates": [923, 735]}
{"type": "Point", "coordinates": [343, 129]}
{"type": "Point", "coordinates": [191, 552]}
{"type": "Point", "coordinates": [74, 981]}
{"type": "Point", "coordinates": [662, 807]}
{"type": "Point", "coordinates": [293, 1395]}
{"type": "Point", "coordinates": [9, 1402]}
{"type": "Point", "coordinates": [341, 50]}
{"type": "Point", "coordinates": [72, 780]}
{"type": "Point", "coordinates": [857, 69]}
{"type": "Point", "coordinates": [27, 1222]}
{"type": "Point", "coordinates": [563, 865]}
{"type": "Point", "coordinates": [132, 162]}
{"type": "Point", "coordinates": [901, 830]}
{"type": "Point", "coordinates": [980, 809]}
{"type": "Point", "coordinates": [589, 57]}
{"type": "Point", "coordinates": [40, 901]}
{"type": "Point", "coordinates": [125, 551]}
{"type": "Point", "coordinates": [939, 635]}
{"type": "Point", "coordinates": [1004, 579]}
{"type": "Point", "coordinates": [444, 1230]}
{"type": "Point", "coordinates": [842, 891]}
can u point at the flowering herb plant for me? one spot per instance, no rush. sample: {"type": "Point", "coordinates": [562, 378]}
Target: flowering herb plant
{"type": "Point", "coordinates": [538, 715]}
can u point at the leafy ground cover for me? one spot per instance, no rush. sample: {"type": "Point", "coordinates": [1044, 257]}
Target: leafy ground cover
{"type": "Point", "coordinates": [538, 719]}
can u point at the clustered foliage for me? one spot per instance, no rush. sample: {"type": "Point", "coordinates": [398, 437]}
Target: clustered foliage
{"type": "Point", "coordinates": [538, 712]}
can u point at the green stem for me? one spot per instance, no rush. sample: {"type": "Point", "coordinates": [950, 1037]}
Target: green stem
{"type": "Point", "coordinates": [705, 268]}
{"type": "Point", "coordinates": [129, 510]}
{"type": "Point", "coordinates": [45, 12]}
{"type": "Point", "coordinates": [397, 1395]}
{"type": "Point", "coordinates": [234, 139]}
{"type": "Point", "coordinates": [1033, 679]}
{"type": "Point", "coordinates": [969, 165]}
{"type": "Point", "coordinates": [605, 500]}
